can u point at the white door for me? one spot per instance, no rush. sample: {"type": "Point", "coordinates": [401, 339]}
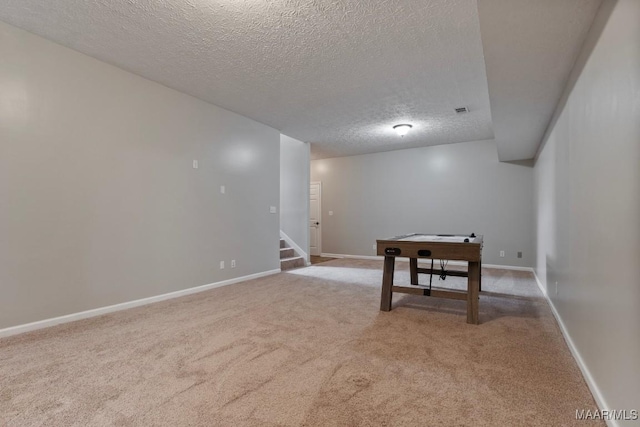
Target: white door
{"type": "Point", "coordinates": [315, 235]}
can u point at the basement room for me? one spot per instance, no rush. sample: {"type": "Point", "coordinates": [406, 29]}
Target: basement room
{"type": "Point", "coordinates": [320, 213]}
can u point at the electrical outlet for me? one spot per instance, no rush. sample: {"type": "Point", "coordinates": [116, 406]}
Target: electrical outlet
{"type": "Point", "coordinates": [501, 254]}
{"type": "Point", "coordinates": [374, 247]}
{"type": "Point", "coordinates": [519, 254]}
{"type": "Point", "coordinates": [221, 265]}
{"type": "Point", "coordinates": [272, 209]}
{"type": "Point", "coordinates": [330, 213]}
{"type": "Point", "coordinates": [233, 263]}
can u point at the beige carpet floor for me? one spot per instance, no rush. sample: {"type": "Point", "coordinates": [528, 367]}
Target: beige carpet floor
{"type": "Point", "coordinates": [307, 347]}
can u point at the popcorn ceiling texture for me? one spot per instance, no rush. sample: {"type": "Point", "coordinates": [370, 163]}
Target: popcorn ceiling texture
{"type": "Point", "coordinates": [530, 48]}
{"type": "Point", "coordinates": [338, 74]}
{"type": "Point", "coordinates": [341, 73]}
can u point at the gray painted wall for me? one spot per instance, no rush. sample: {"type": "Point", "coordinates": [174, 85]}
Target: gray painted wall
{"type": "Point", "coordinates": [588, 206]}
{"type": "Point", "coordinates": [99, 203]}
{"type": "Point", "coordinates": [456, 188]}
{"type": "Point", "coordinates": [294, 191]}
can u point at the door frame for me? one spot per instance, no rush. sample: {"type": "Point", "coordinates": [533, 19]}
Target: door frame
{"type": "Point", "coordinates": [319, 234]}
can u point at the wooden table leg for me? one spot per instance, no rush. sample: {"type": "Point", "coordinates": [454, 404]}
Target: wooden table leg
{"type": "Point", "coordinates": [473, 285]}
{"type": "Point", "coordinates": [387, 283]}
{"type": "Point", "coordinates": [480, 276]}
{"type": "Point", "coordinates": [413, 270]}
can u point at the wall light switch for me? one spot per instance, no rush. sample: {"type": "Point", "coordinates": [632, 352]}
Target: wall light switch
{"type": "Point", "coordinates": [501, 254]}
{"type": "Point", "coordinates": [221, 265]}
{"type": "Point", "coordinates": [195, 164]}
{"type": "Point", "coordinates": [273, 209]}
{"type": "Point", "coordinates": [233, 263]}
{"type": "Point", "coordinates": [222, 189]}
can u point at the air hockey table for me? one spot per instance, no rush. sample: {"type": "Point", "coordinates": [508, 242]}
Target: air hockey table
{"type": "Point", "coordinates": [433, 246]}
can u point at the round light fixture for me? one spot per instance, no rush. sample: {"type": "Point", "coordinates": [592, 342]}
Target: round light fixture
{"type": "Point", "coordinates": [402, 129]}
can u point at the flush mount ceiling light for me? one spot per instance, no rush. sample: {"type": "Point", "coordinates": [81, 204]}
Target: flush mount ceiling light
{"type": "Point", "coordinates": [402, 129]}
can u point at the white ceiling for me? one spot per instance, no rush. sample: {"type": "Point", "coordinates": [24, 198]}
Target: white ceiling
{"type": "Point", "coordinates": [340, 74]}
{"type": "Point", "coordinates": [530, 47]}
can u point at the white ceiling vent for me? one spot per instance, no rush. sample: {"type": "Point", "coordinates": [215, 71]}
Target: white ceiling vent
{"type": "Point", "coordinates": [461, 110]}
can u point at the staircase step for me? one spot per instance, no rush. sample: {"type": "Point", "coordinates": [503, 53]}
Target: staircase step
{"type": "Point", "coordinates": [290, 263]}
{"type": "Point", "coordinates": [283, 244]}
{"type": "Point", "coordinates": [287, 253]}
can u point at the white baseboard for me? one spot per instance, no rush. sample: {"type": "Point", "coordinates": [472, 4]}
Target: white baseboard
{"type": "Point", "coordinates": [14, 330]}
{"type": "Point", "coordinates": [380, 258]}
{"type": "Point", "coordinates": [295, 247]}
{"type": "Point", "coordinates": [541, 286]}
{"type": "Point", "coordinates": [586, 374]}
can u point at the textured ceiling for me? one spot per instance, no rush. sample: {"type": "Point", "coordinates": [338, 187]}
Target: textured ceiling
{"type": "Point", "coordinates": [530, 48]}
{"type": "Point", "coordinates": [340, 73]}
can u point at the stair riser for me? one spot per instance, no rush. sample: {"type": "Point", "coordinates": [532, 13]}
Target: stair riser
{"type": "Point", "coordinates": [292, 263]}
{"type": "Point", "coordinates": [287, 253]}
